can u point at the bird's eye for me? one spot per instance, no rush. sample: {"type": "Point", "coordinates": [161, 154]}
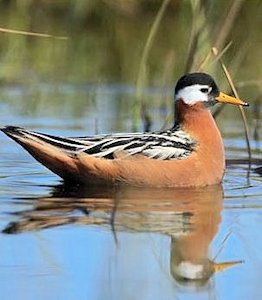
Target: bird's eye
{"type": "Point", "coordinates": [204, 90]}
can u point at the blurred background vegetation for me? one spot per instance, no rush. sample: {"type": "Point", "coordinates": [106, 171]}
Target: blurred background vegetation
{"type": "Point", "coordinates": [109, 43]}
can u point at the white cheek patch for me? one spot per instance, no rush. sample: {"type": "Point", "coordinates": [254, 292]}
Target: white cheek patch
{"type": "Point", "coordinates": [191, 94]}
{"type": "Point", "coordinates": [190, 271]}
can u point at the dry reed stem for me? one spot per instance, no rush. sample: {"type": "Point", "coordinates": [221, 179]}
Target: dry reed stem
{"type": "Point", "coordinates": [228, 22]}
{"type": "Point", "coordinates": [197, 31]}
{"type": "Point", "coordinates": [29, 33]}
{"type": "Point", "coordinates": [208, 56]}
{"type": "Point", "coordinates": [243, 115]}
{"type": "Point", "coordinates": [141, 78]}
{"type": "Point", "coordinates": [168, 119]}
{"type": "Point", "coordinates": [203, 63]}
{"type": "Point", "coordinates": [168, 68]}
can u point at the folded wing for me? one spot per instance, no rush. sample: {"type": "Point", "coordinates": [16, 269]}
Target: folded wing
{"type": "Point", "coordinates": [165, 145]}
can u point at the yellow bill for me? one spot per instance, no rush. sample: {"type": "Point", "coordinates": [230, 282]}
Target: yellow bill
{"type": "Point", "coordinates": [218, 267]}
{"type": "Point", "coordinates": [224, 98]}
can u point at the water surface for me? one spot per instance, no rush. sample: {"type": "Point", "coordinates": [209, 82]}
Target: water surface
{"type": "Point", "coordinates": [70, 242]}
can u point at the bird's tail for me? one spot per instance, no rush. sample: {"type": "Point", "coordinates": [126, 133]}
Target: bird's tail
{"type": "Point", "coordinates": [53, 152]}
{"type": "Point", "coordinates": [21, 135]}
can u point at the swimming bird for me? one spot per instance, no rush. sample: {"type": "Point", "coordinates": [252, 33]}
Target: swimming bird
{"type": "Point", "coordinates": [189, 154]}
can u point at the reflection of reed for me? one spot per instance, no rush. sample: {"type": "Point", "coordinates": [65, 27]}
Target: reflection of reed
{"type": "Point", "coordinates": [257, 119]}
{"type": "Point", "coordinates": [189, 216]}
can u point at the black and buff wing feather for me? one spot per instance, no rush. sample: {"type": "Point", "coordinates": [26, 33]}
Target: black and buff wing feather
{"type": "Point", "coordinates": [165, 145]}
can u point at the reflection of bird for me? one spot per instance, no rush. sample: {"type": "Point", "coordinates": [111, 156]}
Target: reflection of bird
{"type": "Point", "coordinates": [189, 154]}
{"type": "Point", "coordinates": [189, 217]}
{"type": "Point", "coordinates": [195, 272]}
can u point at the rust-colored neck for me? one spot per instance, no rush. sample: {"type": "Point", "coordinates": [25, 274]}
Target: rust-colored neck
{"type": "Point", "coordinates": [195, 119]}
{"type": "Point", "coordinates": [199, 123]}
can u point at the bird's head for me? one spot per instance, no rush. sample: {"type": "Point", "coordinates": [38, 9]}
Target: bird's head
{"type": "Point", "coordinates": [196, 88]}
